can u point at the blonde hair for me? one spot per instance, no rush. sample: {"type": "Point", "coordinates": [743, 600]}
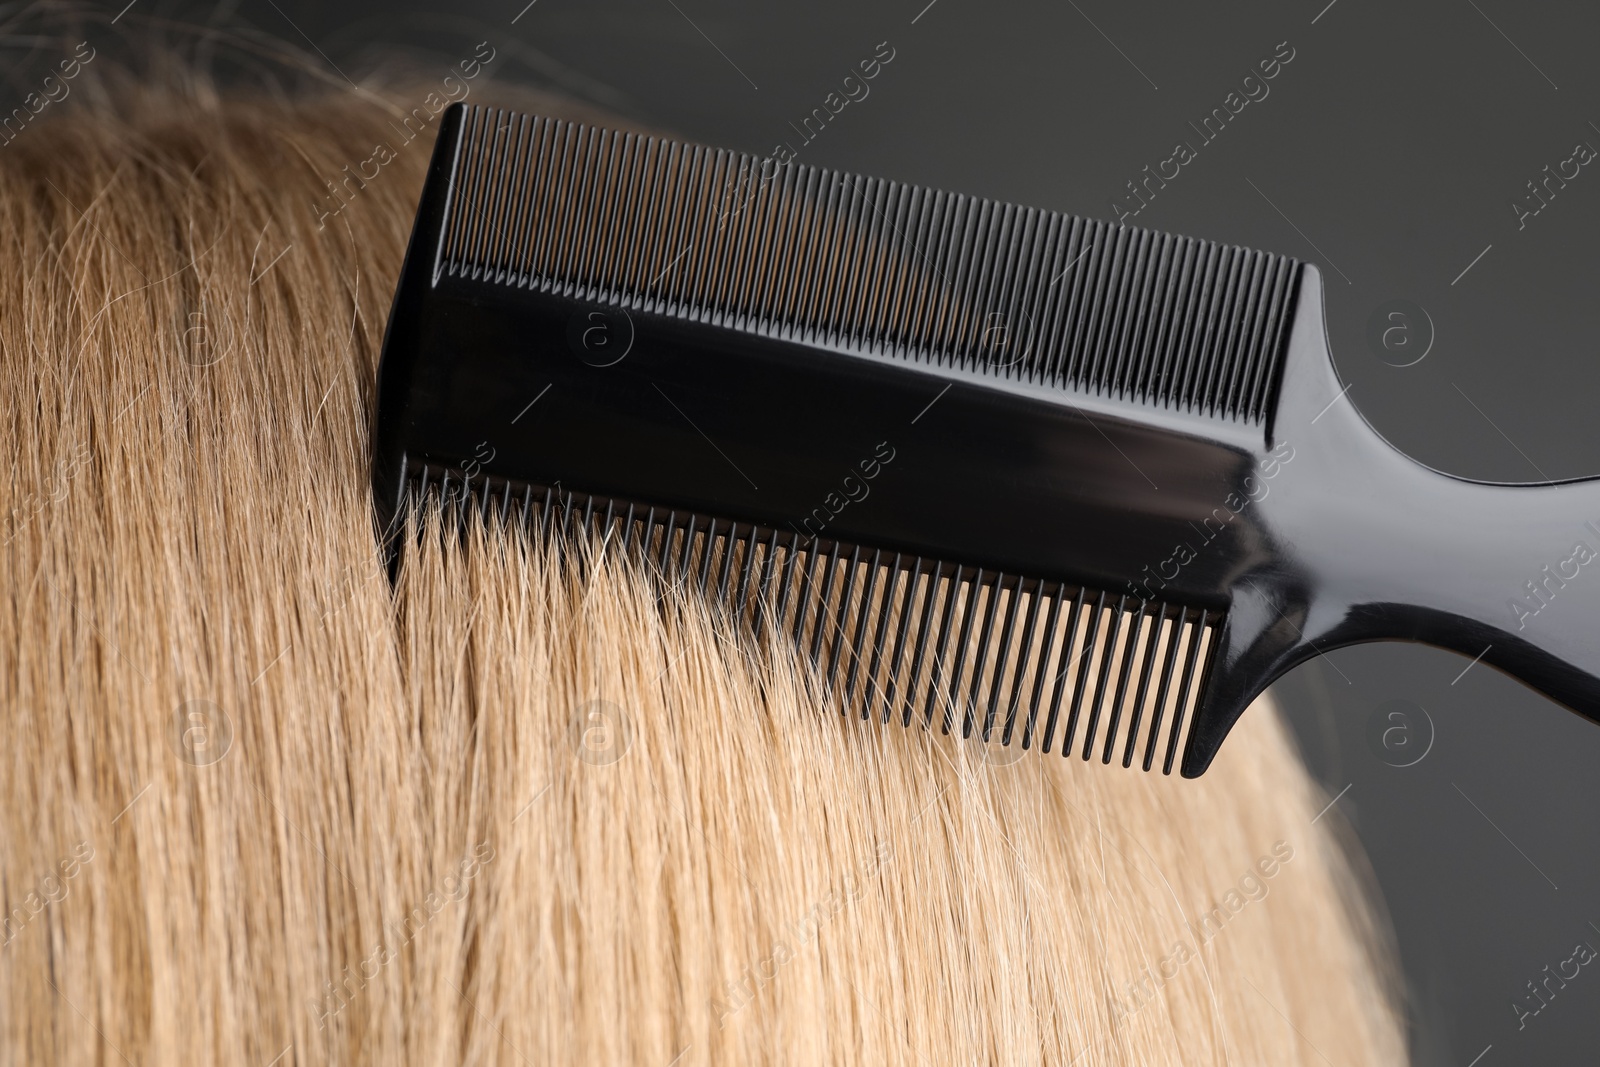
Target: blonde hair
{"type": "Point", "coordinates": [523, 807]}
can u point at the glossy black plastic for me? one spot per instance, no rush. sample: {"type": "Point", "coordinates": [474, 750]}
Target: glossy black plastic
{"type": "Point", "coordinates": [1305, 531]}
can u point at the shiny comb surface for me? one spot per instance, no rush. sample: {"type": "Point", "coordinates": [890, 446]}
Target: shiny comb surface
{"type": "Point", "coordinates": [1042, 480]}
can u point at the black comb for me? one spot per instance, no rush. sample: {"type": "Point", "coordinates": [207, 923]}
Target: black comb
{"type": "Point", "coordinates": [1037, 478]}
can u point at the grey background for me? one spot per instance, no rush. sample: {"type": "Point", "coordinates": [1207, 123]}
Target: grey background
{"type": "Point", "coordinates": [1388, 151]}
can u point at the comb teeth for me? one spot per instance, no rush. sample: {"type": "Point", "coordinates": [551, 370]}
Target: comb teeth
{"type": "Point", "coordinates": [1004, 657]}
{"type": "Point", "coordinates": [866, 265]}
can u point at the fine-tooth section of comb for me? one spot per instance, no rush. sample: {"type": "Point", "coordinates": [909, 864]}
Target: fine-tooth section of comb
{"type": "Point", "coordinates": [863, 265]}
{"type": "Point", "coordinates": [1002, 658]}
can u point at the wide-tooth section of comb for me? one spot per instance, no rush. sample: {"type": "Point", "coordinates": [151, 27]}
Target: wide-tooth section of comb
{"type": "Point", "coordinates": [869, 266]}
{"type": "Point", "coordinates": [1000, 658]}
